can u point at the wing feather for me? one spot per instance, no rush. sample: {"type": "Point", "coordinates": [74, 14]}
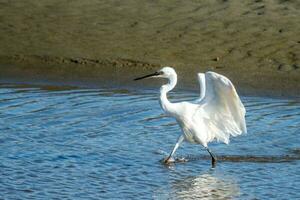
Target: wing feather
{"type": "Point", "coordinates": [222, 111]}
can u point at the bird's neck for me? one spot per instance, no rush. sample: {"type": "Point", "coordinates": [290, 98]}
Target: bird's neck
{"type": "Point", "coordinates": [166, 105]}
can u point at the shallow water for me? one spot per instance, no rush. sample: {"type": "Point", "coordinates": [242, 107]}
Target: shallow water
{"type": "Point", "coordinates": [59, 142]}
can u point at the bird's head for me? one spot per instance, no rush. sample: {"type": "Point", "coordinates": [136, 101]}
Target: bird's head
{"type": "Point", "coordinates": [165, 72]}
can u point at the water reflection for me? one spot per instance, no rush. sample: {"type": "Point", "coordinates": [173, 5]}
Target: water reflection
{"type": "Point", "coordinates": [209, 185]}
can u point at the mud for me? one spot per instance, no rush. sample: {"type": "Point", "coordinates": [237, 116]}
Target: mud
{"type": "Point", "coordinates": [255, 42]}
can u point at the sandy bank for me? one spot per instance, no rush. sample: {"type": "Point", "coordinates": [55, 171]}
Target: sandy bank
{"type": "Point", "coordinates": [254, 43]}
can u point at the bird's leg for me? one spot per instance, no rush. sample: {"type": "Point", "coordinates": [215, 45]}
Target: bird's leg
{"type": "Point", "coordinates": [169, 158]}
{"type": "Point", "coordinates": [213, 157]}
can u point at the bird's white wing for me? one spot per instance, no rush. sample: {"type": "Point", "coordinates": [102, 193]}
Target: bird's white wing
{"type": "Point", "coordinates": [220, 107]}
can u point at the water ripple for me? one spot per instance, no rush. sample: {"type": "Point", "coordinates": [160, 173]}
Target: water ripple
{"type": "Point", "coordinates": [98, 144]}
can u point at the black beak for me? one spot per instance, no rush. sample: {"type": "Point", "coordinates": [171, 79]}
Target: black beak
{"type": "Point", "coordinates": [149, 75]}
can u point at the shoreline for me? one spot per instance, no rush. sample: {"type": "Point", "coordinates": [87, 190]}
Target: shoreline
{"type": "Point", "coordinates": [255, 44]}
{"type": "Point", "coordinates": [119, 73]}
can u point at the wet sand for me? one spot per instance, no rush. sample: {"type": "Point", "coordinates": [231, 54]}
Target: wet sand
{"type": "Point", "coordinates": [255, 43]}
{"type": "Point", "coordinates": [239, 158]}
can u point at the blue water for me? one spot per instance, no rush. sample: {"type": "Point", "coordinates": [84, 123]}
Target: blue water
{"type": "Point", "coordinates": [72, 143]}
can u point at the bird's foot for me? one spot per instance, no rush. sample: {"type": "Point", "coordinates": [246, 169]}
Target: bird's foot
{"type": "Point", "coordinates": [213, 158]}
{"type": "Point", "coordinates": [213, 163]}
{"type": "Point", "coordinates": [168, 160]}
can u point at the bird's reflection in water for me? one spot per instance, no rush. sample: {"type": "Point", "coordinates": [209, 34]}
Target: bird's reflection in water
{"type": "Point", "coordinates": [205, 186]}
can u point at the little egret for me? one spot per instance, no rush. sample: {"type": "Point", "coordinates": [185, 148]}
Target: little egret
{"type": "Point", "coordinates": [216, 115]}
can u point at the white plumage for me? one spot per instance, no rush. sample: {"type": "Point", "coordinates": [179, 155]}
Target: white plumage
{"type": "Point", "coordinates": [220, 108]}
{"type": "Point", "coordinates": [216, 115]}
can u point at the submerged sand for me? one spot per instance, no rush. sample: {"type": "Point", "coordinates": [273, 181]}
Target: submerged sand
{"type": "Point", "coordinates": [256, 43]}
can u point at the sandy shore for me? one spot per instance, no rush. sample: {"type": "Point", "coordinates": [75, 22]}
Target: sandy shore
{"type": "Point", "coordinates": [254, 43]}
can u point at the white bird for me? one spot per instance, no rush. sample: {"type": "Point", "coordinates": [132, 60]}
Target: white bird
{"type": "Point", "coordinates": [216, 115]}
